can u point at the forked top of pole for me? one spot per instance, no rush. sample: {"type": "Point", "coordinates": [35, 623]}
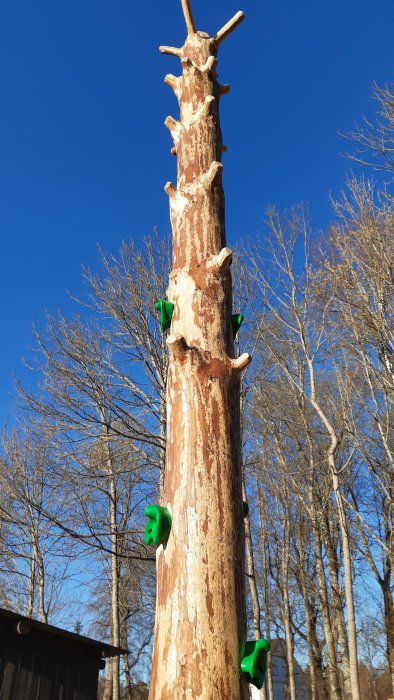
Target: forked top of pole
{"type": "Point", "coordinates": [191, 28]}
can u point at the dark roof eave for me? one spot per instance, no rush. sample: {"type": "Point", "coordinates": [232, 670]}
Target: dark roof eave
{"type": "Point", "coordinates": [107, 650]}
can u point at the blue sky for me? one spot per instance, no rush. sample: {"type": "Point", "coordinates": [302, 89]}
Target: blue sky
{"type": "Point", "coordinates": [84, 154]}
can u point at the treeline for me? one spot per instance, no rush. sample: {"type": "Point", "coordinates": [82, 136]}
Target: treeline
{"type": "Point", "coordinates": [87, 452]}
{"type": "Point", "coordinates": [320, 445]}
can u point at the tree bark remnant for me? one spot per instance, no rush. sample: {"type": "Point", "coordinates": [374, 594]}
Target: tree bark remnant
{"type": "Point", "coordinates": [200, 607]}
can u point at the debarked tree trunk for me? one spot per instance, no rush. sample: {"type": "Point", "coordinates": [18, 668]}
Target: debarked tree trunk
{"type": "Point", "coordinates": [200, 608]}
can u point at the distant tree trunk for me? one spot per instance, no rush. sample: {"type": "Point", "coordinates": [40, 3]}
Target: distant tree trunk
{"type": "Point", "coordinates": [343, 525]}
{"type": "Point", "coordinates": [260, 503]}
{"type": "Point", "coordinates": [200, 605]}
{"type": "Point", "coordinates": [43, 615]}
{"type": "Point", "coordinates": [286, 602]}
{"type": "Point", "coordinates": [251, 575]}
{"type": "Point", "coordinates": [333, 679]}
{"type": "Point", "coordinates": [333, 568]}
{"type": "Point", "coordinates": [308, 615]}
{"type": "Point", "coordinates": [163, 433]}
{"type": "Point", "coordinates": [114, 591]}
{"type": "Point", "coordinates": [107, 695]}
{"type": "Point", "coordinates": [389, 624]}
{"type": "Point", "coordinates": [114, 578]}
{"type": "Point", "coordinates": [32, 582]}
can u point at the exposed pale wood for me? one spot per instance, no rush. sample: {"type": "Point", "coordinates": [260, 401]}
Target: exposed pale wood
{"type": "Point", "coordinates": [229, 27]}
{"type": "Point", "coordinates": [188, 15]}
{"type": "Point", "coordinates": [205, 109]}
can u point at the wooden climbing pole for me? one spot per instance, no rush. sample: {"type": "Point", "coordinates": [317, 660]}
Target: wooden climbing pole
{"type": "Point", "coordinates": [200, 608]}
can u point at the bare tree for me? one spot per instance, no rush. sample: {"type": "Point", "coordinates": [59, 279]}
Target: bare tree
{"type": "Point", "coordinates": [295, 332]}
{"type": "Point", "coordinates": [375, 137]}
{"type": "Point", "coordinates": [103, 449]}
{"type": "Point", "coordinates": [36, 556]}
{"type": "Point", "coordinates": [358, 272]}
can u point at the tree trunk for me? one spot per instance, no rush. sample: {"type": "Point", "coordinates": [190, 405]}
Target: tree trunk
{"type": "Point", "coordinates": [389, 625]}
{"type": "Point", "coordinates": [251, 575]}
{"type": "Point", "coordinates": [264, 565]}
{"type": "Point", "coordinates": [347, 564]}
{"type": "Point", "coordinates": [286, 603]}
{"type": "Point", "coordinates": [338, 619]}
{"type": "Point", "coordinates": [309, 623]}
{"type": "Point", "coordinates": [347, 567]}
{"type": "Point", "coordinates": [335, 692]}
{"type": "Point", "coordinates": [113, 522]}
{"type": "Point", "coordinates": [43, 615]}
{"type": "Point", "coordinates": [107, 695]}
{"type": "Point", "coordinates": [32, 582]}
{"type": "Point", "coordinates": [114, 591]}
{"type": "Point", "coordinates": [200, 604]}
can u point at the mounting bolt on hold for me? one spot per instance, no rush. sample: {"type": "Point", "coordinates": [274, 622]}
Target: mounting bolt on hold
{"type": "Point", "coordinates": [166, 309]}
{"type": "Point", "coordinates": [236, 323]}
{"type": "Point", "coordinates": [254, 662]}
{"type": "Point", "coordinates": [158, 526]}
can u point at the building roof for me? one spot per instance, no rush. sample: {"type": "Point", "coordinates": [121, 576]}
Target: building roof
{"type": "Point", "coordinates": [28, 623]}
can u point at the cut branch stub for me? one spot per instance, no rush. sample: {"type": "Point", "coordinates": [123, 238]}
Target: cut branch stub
{"type": "Point", "coordinates": [174, 127]}
{"type": "Point", "coordinates": [241, 362]}
{"type": "Point", "coordinates": [170, 189]}
{"type": "Point", "coordinates": [208, 65]}
{"type": "Point", "coordinates": [173, 82]}
{"type": "Point", "coordinates": [177, 346]}
{"type": "Point", "coordinates": [224, 89]}
{"type": "Point", "coordinates": [213, 173]}
{"type": "Point", "coordinates": [171, 50]}
{"type": "Point", "coordinates": [220, 262]}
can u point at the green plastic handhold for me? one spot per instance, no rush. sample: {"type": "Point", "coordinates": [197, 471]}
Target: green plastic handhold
{"type": "Point", "coordinates": [166, 309]}
{"type": "Point", "coordinates": [158, 526]}
{"type": "Point", "coordinates": [254, 662]}
{"type": "Point", "coordinates": [236, 323]}
{"type": "Point", "coordinates": [246, 509]}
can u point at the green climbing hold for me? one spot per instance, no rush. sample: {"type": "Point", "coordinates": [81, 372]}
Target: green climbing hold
{"type": "Point", "coordinates": [158, 526]}
{"type": "Point", "coordinates": [246, 509]}
{"type": "Point", "coordinates": [236, 323]}
{"type": "Point", "coordinates": [166, 309]}
{"type": "Point", "coordinates": [254, 662]}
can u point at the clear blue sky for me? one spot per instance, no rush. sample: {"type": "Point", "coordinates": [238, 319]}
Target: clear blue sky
{"type": "Point", "coordinates": [84, 154]}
